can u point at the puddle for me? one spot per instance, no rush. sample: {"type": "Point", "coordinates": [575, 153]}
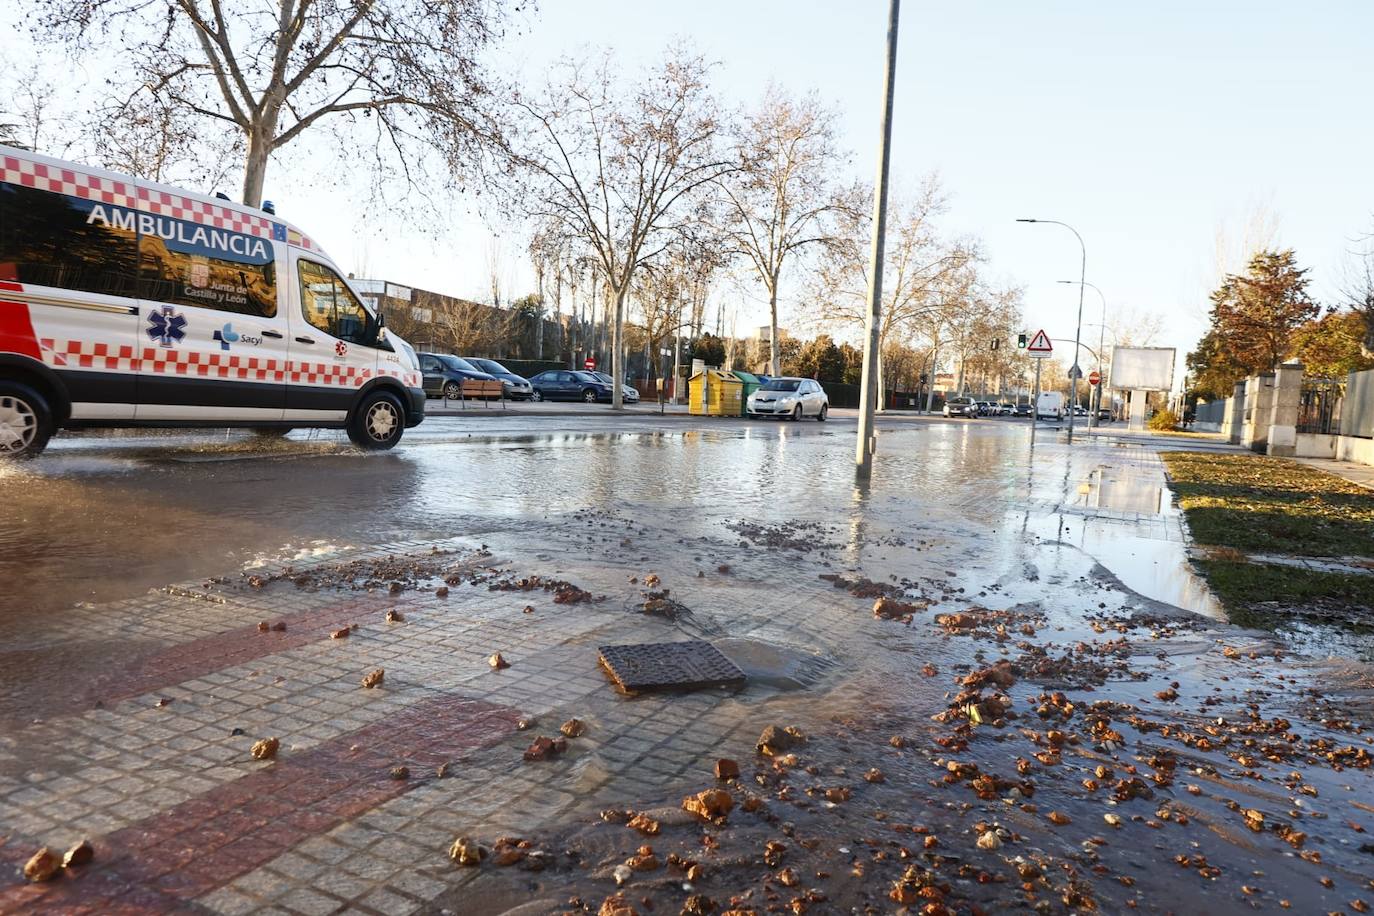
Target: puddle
{"type": "Point", "coordinates": [776, 666]}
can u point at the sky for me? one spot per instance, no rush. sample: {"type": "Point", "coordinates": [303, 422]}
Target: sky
{"type": "Point", "coordinates": [1149, 128]}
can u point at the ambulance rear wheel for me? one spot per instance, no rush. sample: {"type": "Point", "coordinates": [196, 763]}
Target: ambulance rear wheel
{"type": "Point", "coordinates": [25, 421]}
{"type": "Point", "coordinates": [378, 422]}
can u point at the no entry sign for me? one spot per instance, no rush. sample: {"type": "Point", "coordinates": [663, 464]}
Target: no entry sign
{"type": "Point", "coordinates": [1094, 377]}
{"type": "Point", "coordinates": [589, 363]}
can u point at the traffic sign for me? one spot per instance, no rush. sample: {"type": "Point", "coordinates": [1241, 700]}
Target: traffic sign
{"type": "Point", "coordinates": [1075, 372]}
{"type": "Point", "coordinates": [1040, 346]}
{"type": "Point", "coordinates": [1094, 377]}
{"type": "Point", "coordinates": [589, 363]}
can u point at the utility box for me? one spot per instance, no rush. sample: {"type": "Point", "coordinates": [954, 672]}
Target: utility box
{"type": "Point", "coordinates": [751, 384]}
{"type": "Point", "coordinates": [714, 393]}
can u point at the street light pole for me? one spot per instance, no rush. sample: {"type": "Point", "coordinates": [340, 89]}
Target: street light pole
{"type": "Point", "coordinates": [1101, 344]}
{"type": "Point", "coordinates": [1077, 331]}
{"type": "Point", "coordinates": [868, 395]}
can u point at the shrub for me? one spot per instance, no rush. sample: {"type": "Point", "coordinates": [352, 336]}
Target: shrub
{"type": "Point", "coordinates": [1165, 420]}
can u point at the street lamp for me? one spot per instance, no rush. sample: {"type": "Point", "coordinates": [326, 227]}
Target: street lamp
{"type": "Point", "coordinates": [1078, 331]}
{"type": "Point", "coordinates": [1101, 344]}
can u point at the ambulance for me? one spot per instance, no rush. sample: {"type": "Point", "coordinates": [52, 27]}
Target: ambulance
{"type": "Point", "coordinates": [128, 303]}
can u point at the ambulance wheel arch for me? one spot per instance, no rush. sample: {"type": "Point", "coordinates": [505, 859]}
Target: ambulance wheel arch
{"type": "Point", "coordinates": [41, 379]}
{"type": "Point", "coordinates": [26, 420]}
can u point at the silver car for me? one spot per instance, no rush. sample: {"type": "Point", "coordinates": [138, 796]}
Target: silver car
{"type": "Point", "coordinates": [628, 393]}
{"type": "Point", "coordinates": [793, 398]}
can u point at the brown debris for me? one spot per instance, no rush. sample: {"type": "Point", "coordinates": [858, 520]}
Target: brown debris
{"type": "Point", "coordinates": [395, 616]}
{"type": "Point", "coordinates": [776, 739]}
{"type": "Point", "coordinates": [497, 662]}
{"type": "Point", "coordinates": [373, 678]}
{"type": "Point", "coordinates": [340, 634]}
{"type": "Point", "coordinates": [643, 823]}
{"type": "Point", "coordinates": [399, 773]}
{"type": "Point", "coordinates": [266, 749]}
{"type": "Point", "coordinates": [727, 769]}
{"type": "Point", "coordinates": [1001, 675]}
{"type": "Point", "coordinates": [710, 805]}
{"type": "Point", "coordinates": [573, 728]}
{"type": "Point", "coordinates": [616, 905]}
{"type": "Point", "coordinates": [441, 592]}
{"type": "Point", "coordinates": [42, 866]}
{"type": "Point", "coordinates": [466, 852]}
{"type": "Point", "coordinates": [80, 854]}
{"type": "Point", "coordinates": [543, 748]}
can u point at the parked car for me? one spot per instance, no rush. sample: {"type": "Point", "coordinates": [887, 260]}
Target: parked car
{"type": "Point", "coordinates": [1023, 410]}
{"type": "Point", "coordinates": [961, 407]}
{"type": "Point", "coordinates": [130, 303]}
{"type": "Point", "coordinates": [569, 385]}
{"type": "Point", "coordinates": [1006, 409]}
{"type": "Point", "coordinates": [1104, 413]}
{"type": "Point", "coordinates": [1079, 410]}
{"type": "Point", "coordinates": [1050, 406]}
{"type": "Point", "coordinates": [789, 397]}
{"type": "Point", "coordinates": [444, 375]}
{"type": "Point", "coordinates": [517, 387]}
{"type": "Point", "coordinates": [628, 392]}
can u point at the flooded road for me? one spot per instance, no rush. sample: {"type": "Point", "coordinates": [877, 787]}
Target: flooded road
{"type": "Point", "coordinates": [1009, 689]}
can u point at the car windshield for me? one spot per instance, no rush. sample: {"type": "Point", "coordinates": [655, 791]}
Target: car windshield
{"type": "Point", "coordinates": [457, 362]}
{"type": "Point", "coordinates": [585, 377]}
{"type": "Point", "coordinates": [780, 384]}
{"type": "Point", "coordinates": [490, 365]}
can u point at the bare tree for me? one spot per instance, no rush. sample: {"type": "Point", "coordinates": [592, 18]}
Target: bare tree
{"type": "Point", "coordinates": [923, 271]}
{"type": "Point", "coordinates": [779, 202]}
{"type": "Point", "coordinates": [29, 107]}
{"type": "Point", "coordinates": [619, 168]}
{"type": "Point", "coordinates": [1359, 291]}
{"type": "Point", "coordinates": [271, 70]}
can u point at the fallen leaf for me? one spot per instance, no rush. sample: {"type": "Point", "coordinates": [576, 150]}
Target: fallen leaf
{"type": "Point", "coordinates": [42, 866]}
{"type": "Point", "coordinates": [573, 728]}
{"type": "Point", "coordinates": [80, 854]}
{"type": "Point", "coordinates": [497, 662]}
{"type": "Point", "coordinates": [266, 749]}
{"type": "Point", "coordinates": [466, 852]}
{"type": "Point", "coordinates": [373, 678]}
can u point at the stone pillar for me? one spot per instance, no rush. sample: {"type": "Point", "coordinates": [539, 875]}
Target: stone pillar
{"type": "Point", "coordinates": [1234, 424]}
{"type": "Point", "coordinates": [1283, 412]}
{"type": "Point", "coordinates": [1259, 409]}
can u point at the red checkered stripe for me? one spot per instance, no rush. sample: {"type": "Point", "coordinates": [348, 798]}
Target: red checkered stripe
{"type": "Point", "coordinates": [124, 194]}
{"type": "Point", "coordinates": [80, 354]}
{"type": "Point", "coordinates": [203, 212]}
{"type": "Point", "coordinates": [68, 181]}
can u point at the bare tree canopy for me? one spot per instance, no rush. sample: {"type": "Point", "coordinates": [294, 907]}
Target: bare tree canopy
{"type": "Point", "coordinates": [779, 201]}
{"type": "Point", "coordinates": [271, 70]}
{"type": "Point", "coordinates": [619, 166]}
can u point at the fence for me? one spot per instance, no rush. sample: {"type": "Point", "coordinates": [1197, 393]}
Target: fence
{"type": "Point", "coordinates": [1210, 415]}
{"type": "Point", "coordinates": [1357, 410]}
{"type": "Point", "coordinates": [1319, 409]}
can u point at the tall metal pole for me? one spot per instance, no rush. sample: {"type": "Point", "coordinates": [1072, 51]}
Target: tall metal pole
{"type": "Point", "coordinates": [1077, 331]}
{"type": "Point", "coordinates": [1101, 344]}
{"type": "Point", "coordinates": [868, 395]}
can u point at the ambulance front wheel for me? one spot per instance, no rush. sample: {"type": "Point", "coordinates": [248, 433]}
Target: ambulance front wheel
{"type": "Point", "coordinates": [25, 421]}
{"type": "Point", "coordinates": [378, 422]}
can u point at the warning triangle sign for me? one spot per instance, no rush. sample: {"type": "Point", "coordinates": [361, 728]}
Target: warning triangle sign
{"type": "Point", "coordinates": [1040, 344]}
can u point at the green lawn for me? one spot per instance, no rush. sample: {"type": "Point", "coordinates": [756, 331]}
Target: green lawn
{"type": "Point", "coordinates": [1246, 584]}
{"type": "Point", "coordinates": [1271, 505]}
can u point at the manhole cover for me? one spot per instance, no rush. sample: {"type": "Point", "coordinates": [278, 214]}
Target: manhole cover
{"type": "Point", "coordinates": [669, 666]}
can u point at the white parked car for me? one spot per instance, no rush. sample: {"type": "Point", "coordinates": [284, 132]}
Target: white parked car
{"type": "Point", "coordinates": [961, 407]}
{"type": "Point", "coordinates": [793, 398]}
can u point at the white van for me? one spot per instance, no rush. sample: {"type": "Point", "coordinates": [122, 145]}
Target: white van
{"type": "Point", "coordinates": [127, 303]}
{"type": "Point", "coordinates": [1049, 406]}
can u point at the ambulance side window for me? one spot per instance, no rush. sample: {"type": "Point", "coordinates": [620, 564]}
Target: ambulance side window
{"type": "Point", "coordinates": [51, 239]}
{"type": "Point", "coordinates": [330, 306]}
{"type": "Point", "coordinates": [189, 263]}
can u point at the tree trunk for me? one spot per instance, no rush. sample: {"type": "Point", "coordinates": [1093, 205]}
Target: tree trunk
{"type": "Point", "coordinates": [255, 167]}
{"type": "Point", "coordinates": [934, 371]}
{"type": "Point", "coordinates": [618, 350]}
{"type": "Point", "coordinates": [773, 331]}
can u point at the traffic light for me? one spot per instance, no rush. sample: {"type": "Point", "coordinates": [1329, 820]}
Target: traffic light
{"type": "Point", "coordinates": [1020, 341]}
{"type": "Point", "coordinates": [925, 379]}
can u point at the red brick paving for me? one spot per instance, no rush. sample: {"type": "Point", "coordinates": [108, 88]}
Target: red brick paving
{"type": "Point", "coordinates": [161, 863]}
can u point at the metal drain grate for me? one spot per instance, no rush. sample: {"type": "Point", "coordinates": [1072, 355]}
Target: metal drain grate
{"type": "Point", "coordinates": [644, 667]}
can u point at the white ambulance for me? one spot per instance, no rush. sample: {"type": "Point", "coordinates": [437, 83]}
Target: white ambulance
{"type": "Point", "coordinates": [127, 303]}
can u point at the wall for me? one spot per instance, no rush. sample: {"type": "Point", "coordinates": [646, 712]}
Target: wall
{"type": "Point", "coordinates": [1316, 445]}
{"type": "Point", "coordinates": [1357, 410]}
{"type": "Point", "coordinates": [1208, 417]}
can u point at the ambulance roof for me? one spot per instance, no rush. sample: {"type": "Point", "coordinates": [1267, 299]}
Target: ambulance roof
{"type": "Point", "coordinates": [35, 170]}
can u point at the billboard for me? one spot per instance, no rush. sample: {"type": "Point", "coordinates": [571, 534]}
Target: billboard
{"type": "Point", "coordinates": [1143, 368]}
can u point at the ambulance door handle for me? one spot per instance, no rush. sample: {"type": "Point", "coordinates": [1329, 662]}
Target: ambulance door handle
{"type": "Point", "coordinates": [274, 334]}
{"type": "Point", "coordinates": [305, 340]}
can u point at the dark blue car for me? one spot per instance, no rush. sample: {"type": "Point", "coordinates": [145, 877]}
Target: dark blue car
{"type": "Point", "coordinates": [444, 375]}
{"type": "Point", "coordinates": [569, 385]}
